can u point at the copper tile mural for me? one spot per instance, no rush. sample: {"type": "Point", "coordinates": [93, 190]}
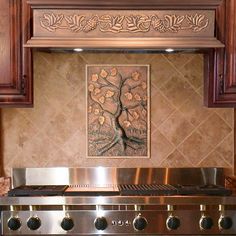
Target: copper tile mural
{"type": "Point", "coordinates": [117, 110]}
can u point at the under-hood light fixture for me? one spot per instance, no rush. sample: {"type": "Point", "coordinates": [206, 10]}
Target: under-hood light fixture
{"type": "Point", "coordinates": [169, 50]}
{"type": "Point", "coordinates": [78, 49]}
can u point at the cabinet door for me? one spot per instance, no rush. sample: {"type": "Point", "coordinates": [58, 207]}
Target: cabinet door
{"type": "Point", "coordinates": [15, 61]}
{"type": "Point", "coordinates": [220, 83]}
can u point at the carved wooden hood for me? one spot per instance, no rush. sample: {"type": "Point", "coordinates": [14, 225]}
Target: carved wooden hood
{"type": "Point", "coordinates": [146, 24]}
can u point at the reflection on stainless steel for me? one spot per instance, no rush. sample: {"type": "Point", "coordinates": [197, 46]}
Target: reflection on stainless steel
{"type": "Point", "coordinates": [103, 175]}
{"type": "Point", "coordinates": [117, 214]}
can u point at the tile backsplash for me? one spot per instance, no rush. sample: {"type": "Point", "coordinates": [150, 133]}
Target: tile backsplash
{"type": "Point", "coordinates": [184, 133]}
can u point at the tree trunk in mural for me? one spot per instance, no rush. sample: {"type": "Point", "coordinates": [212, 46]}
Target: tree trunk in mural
{"type": "Point", "coordinates": [117, 111]}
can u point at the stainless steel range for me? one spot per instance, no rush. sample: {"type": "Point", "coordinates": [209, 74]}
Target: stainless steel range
{"type": "Point", "coordinates": [146, 201]}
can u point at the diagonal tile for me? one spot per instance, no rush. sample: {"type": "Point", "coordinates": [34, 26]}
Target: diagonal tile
{"type": "Point", "coordinates": [161, 70]}
{"type": "Point", "coordinates": [61, 128]}
{"type": "Point", "coordinates": [176, 90]}
{"type": "Point", "coordinates": [160, 109]}
{"type": "Point", "coordinates": [16, 132]}
{"type": "Point", "coordinates": [195, 148]}
{"type": "Point", "coordinates": [160, 148]}
{"type": "Point", "coordinates": [179, 59]}
{"type": "Point", "coordinates": [37, 151]}
{"type": "Point", "coordinates": [176, 128]}
{"type": "Point", "coordinates": [41, 106]}
{"type": "Point", "coordinates": [214, 129]}
{"type": "Point", "coordinates": [227, 114]}
{"type": "Point", "coordinates": [76, 144]}
{"type": "Point", "coordinates": [176, 159]}
{"type": "Point", "coordinates": [193, 72]}
{"type": "Point", "coordinates": [214, 159]}
{"type": "Point", "coordinates": [194, 111]}
{"type": "Point", "coordinates": [225, 149]}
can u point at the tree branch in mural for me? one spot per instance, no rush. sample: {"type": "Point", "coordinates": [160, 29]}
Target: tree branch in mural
{"type": "Point", "coordinates": [117, 112]}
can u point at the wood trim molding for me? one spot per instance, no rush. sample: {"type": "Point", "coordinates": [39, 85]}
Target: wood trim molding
{"type": "Point", "coordinates": [131, 4]}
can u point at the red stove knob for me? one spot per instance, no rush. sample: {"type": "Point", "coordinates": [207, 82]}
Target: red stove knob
{"type": "Point", "coordinates": [140, 223]}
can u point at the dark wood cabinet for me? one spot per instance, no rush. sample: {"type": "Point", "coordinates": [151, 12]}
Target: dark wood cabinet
{"type": "Point", "coordinates": [15, 61]}
{"type": "Point", "coordinates": [220, 71]}
{"type": "Point", "coordinates": [16, 87]}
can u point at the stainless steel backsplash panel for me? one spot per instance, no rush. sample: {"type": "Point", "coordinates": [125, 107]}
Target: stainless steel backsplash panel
{"type": "Point", "coordinates": [104, 176]}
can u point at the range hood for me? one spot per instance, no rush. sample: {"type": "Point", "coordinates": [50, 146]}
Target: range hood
{"type": "Point", "coordinates": [156, 25]}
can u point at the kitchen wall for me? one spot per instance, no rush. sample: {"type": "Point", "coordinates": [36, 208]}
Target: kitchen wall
{"type": "Point", "coordinates": [183, 132]}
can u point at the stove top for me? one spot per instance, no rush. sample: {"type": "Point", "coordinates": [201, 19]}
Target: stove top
{"type": "Point", "coordinates": [120, 189]}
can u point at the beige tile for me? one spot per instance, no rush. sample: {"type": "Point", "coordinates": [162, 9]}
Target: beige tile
{"type": "Point", "coordinates": [214, 129]}
{"type": "Point", "coordinates": [106, 162]}
{"type": "Point", "coordinates": [227, 114]}
{"type": "Point", "coordinates": [61, 128]}
{"type": "Point", "coordinates": [38, 149]}
{"type": "Point", "coordinates": [97, 58]}
{"type": "Point", "coordinates": [160, 148]}
{"type": "Point", "coordinates": [194, 111]}
{"type": "Point", "coordinates": [195, 148]}
{"type": "Point", "coordinates": [57, 89]}
{"type": "Point", "coordinates": [160, 109]}
{"type": "Point", "coordinates": [136, 162]}
{"type": "Point", "coordinates": [16, 132]}
{"type": "Point", "coordinates": [76, 144]}
{"type": "Point", "coordinates": [60, 159]}
{"type": "Point", "coordinates": [141, 58]}
{"type": "Point", "coordinates": [193, 72]}
{"type": "Point", "coordinates": [41, 106]}
{"type": "Point", "coordinates": [225, 149]}
{"type": "Point", "coordinates": [177, 90]}
{"type": "Point", "coordinates": [161, 70]}
{"type": "Point", "coordinates": [176, 159]}
{"type": "Point", "coordinates": [179, 59]}
{"type": "Point", "coordinates": [75, 111]}
{"type": "Point", "coordinates": [176, 128]}
{"type": "Point", "coordinates": [214, 159]}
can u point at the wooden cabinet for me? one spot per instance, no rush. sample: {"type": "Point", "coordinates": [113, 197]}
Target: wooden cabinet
{"type": "Point", "coordinates": [15, 61]}
{"type": "Point", "coordinates": [15, 31]}
{"type": "Point", "coordinates": [220, 71]}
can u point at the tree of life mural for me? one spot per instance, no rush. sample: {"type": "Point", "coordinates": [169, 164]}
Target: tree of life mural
{"type": "Point", "coordinates": [118, 111]}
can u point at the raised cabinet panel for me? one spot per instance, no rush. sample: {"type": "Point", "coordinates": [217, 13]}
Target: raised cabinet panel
{"type": "Point", "coordinates": [15, 62]}
{"type": "Point", "coordinates": [220, 79]}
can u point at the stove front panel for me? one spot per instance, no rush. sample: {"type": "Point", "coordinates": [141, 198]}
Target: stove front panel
{"type": "Point", "coordinates": [118, 222]}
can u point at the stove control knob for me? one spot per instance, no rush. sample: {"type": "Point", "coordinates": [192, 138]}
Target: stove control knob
{"type": "Point", "coordinates": [34, 223]}
{"type": "Point", "coordinates": [140, 223]}
{"type": "Point", "coordinates": [67, 223]}
{"type": "Point", "coordinates": [225, 222]}
{"type": "Point", "coordinates": [14, 223]}
{"type": "Point", "coordinates": [100, 223]}
{"type": "Point", "coordinates": [205, 223]}
{"type": "Point", "coordinates": [172, 223]}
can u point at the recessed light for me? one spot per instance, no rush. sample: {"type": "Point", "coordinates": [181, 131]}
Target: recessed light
{"type": "Point", "coordinates": [169, 50]}
{"type": "Point", "coordinates": [78, 49]}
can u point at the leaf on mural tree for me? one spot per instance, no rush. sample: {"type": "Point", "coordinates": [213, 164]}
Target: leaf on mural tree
{"type": "Point", "coordinates": [101, 99]}
{"type": "Point", "coordinates": [101, 120]}
{"type": "Point", "coordinates": [129, 96]}
{"type": "Point", "coordinates": [109, 94]}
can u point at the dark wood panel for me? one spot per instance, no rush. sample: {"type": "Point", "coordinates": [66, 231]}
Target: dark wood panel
{"type": "Point", "coordinates": [15, 79]}
{"type": "Point", "coordinates": [220, 87]}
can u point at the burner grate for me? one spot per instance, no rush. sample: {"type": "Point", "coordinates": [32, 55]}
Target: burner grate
{"type": "Point", "coordinates": [147, 189]}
